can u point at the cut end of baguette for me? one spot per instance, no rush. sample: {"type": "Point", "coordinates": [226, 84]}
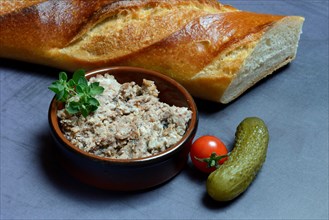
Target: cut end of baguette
{"type": "Point", "coordinates": [276, 48]}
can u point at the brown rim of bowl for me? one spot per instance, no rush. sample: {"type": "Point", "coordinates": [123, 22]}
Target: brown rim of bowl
{"type": "Point", "coordinates": [192, 126]}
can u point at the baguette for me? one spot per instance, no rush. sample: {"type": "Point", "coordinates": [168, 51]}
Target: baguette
{"type": "Point", "coordinates": [216, 51]}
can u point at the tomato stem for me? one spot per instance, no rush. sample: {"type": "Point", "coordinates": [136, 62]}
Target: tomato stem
{"type": "Point", "coordinates": [213, 160]}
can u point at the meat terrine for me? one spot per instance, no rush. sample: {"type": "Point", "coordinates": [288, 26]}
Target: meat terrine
{"type": "Point", "coordinates": [131, 121]}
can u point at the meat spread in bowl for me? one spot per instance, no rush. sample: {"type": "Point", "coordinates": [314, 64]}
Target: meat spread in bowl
{"type": "Point", "coordinates": [130, 122]}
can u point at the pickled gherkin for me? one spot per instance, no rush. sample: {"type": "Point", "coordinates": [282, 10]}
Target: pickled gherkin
{"type": "Point", "coordinates": [245, 160]}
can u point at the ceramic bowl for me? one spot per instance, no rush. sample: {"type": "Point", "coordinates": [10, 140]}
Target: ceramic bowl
{"type": "Point", "coordinates": [129, 174]}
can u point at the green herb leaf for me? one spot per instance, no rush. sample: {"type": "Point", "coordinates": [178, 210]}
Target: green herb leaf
{"type": "Point", "coordinates": [83, 81]}
{"type": "Point", "coordinates": [56, 87]}
{"type": "Point", "coordinates": [78, 87]}
{"type": "Point", "coordinates": [71, 83]}
{"type": "Point", "coordinates": [72, 108]}
{"type": "Point", "coordinates": [93, 102]}
{"type": "Point", "coordinates": [83, 99]}
{"type": "Point", "coordinates": [63, 76]}
{"type": "Point", "coordinates": [84, 111]}
{"type": "Point", "coordinates": [93, 108]}
{"type": "Point", "coordinates": [60, 95]}
{"type": "Point", "coordinates": [95, 89]}
{"type": "Point", "coordinates": [78, 74]}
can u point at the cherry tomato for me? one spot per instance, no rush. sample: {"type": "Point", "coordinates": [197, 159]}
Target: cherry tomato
{"type": "Point", "coordinates": [203, 148]}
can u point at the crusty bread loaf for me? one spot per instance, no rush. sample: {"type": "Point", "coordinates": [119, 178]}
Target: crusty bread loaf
{"type": "Point", "coordinates": [214, 50]}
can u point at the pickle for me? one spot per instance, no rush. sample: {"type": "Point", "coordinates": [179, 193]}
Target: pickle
{"type": "Point", "coordinates": [245, 160]}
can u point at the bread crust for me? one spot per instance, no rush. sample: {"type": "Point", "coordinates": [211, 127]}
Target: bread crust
{"type": "Point", "coordinates": [179, 38]}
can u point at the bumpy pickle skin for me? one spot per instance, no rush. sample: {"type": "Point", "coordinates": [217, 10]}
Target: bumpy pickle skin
{"type": "Point", "coordinates": [246, 159]}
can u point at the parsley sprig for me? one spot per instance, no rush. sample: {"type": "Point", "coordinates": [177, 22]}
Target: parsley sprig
{"type": "Point", "coordinates": [84, 92]}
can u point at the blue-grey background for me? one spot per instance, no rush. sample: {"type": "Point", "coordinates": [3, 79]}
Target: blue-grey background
{"type": "Point", "coordinates": [293, 183]}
